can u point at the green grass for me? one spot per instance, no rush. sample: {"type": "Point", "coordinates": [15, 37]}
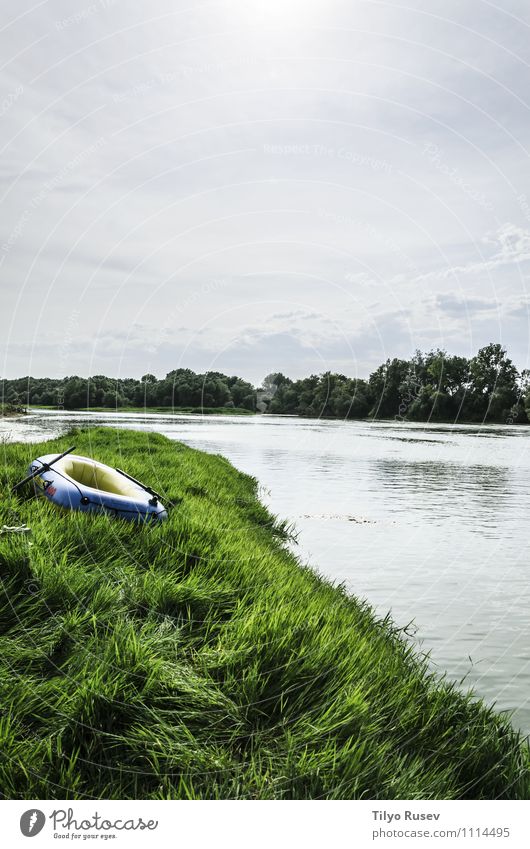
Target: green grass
{"type": "Point", "coordinates": [198, 659]}
{"type": "Point", "coordinates": [203, 411]}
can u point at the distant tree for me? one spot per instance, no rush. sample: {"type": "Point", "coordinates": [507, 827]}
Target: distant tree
{"type": "Point", "coordinates": [361, 399]}
{"type": "Point", "coordinates": [272, 382]}
{"type": "Point", "coordinates": [493, 384]}
{"type": "Point", "coordinates": [522, 407]}
{"type": "Point", "coordinates": [145, 392]}
{"type": "Point", "coordinates": [448, 374]}
{"type": "Point", "coordinates": [110, 399]}
{"type": "Point", "coordinates": [249, 402]}
{"type": "Point", "coordinates": [96, 388]}
{"type": "Point", "coordinates": [239, 391]}
{"type": "Point", "coordinates": [288, 398]}
{"type": "Point", "coordinates": [75, 393]}
{"type": "Point", "coordinates": [215, 392]}
{"type": "Point", "coordinates": [388, 384]}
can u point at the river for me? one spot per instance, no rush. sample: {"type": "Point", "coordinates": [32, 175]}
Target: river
{"type": "Point", "coordinates": [427, 521]}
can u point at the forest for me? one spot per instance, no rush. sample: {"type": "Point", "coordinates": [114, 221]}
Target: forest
{"type": "Point", "coordinates": [429, 387]}
{"type": "Point", "coordinates": [181, 388]}
{"type": "Point", "coordinates": [433, 386]}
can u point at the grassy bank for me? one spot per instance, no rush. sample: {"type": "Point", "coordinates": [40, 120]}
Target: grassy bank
{"type": "Point", "coordinates": [197, 659]}
{"type": "Point", "coordinates": [168, 411]}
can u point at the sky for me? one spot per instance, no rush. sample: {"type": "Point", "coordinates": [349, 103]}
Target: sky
{"type": "Point", "coordinates": [248, 187]}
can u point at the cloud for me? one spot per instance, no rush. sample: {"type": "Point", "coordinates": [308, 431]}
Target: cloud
{"type": "Point", "coordinates": [522, 310]}
{"type": "Point", "coordinates": [288, 161]}
{"type": "Point", "coordinates": [512, 247]}
{"type": "Point", "coordinates": [512, 243]}
{"type": "Point", "coordinates": [458, 306]}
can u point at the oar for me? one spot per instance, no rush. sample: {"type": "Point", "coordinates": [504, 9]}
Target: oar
{"type": "Point", "coordinates": [156, 496]}
{"type": "Point", "coordinates": [44, 468]}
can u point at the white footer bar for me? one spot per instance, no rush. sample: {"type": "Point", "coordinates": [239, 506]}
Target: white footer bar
{"type": "Point", "coordinates": [264, 824]}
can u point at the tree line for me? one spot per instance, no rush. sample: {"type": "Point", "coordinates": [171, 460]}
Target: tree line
{"type": "Point", "coordinates": [433, 386]}
{"type": "Point", "coordinates": [180, 388]}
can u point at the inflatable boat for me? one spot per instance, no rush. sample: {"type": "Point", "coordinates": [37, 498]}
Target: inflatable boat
{"type": "Point", "coordinates": [79, 483]}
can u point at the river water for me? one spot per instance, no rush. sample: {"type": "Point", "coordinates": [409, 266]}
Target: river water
{"type": "Point", "coordinates": [430, 522]}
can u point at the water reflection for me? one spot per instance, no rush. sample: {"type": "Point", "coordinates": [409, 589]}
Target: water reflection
{"type": "Point", "coordinates": [482, 493]}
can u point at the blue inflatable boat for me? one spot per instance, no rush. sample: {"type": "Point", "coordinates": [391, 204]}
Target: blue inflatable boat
{"type": "Point", "coordinates": [79, 483]}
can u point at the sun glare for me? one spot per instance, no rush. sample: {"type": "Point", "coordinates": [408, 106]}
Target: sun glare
{"type": "Point", "coordinates": [280, 12]}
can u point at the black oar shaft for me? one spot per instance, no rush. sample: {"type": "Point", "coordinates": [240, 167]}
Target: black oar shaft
{"type": "Point", "coordinates": [44, 468]}
{"type": "Point", "coordinates": [147, 488]}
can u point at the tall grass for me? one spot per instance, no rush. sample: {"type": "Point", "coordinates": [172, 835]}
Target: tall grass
{"type": "Point", "coordinates": [198, 659]}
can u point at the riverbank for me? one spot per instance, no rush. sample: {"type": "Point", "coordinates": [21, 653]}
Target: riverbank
{"type": "Point", "coordinates": [10, 410]}
{"type": "Point", "coordinates": [168, 411]}
{"type": "Point", "coordinates": [231, 411]}
{"type": "Point", "coordinates": [197, 659]}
